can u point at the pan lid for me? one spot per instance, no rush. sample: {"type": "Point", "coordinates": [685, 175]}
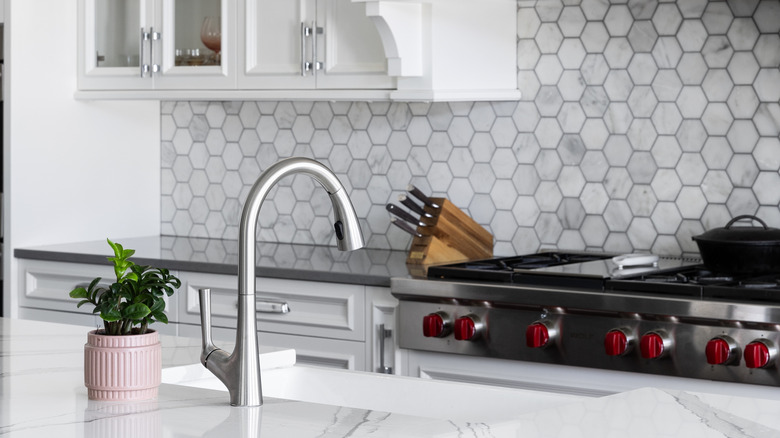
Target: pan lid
{"type": "Point", "coordinates": [762, 235]}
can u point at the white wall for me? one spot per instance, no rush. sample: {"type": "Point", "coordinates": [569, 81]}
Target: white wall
{"type": "Point", "coordinates": [74, 170]}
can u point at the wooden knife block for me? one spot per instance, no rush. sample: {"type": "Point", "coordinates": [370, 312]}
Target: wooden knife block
{"type": "Point", "coordinates": [451, 236]}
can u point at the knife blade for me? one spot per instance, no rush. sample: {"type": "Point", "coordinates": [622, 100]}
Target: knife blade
{"type": "Point", "coordinates": [411, 205]}
{"type": "Point", "coordinates": [414, 191]}
{"type": "Point", "coordinates": [403, 214]}
{"type": "Point", "coordinates": [404, 226]}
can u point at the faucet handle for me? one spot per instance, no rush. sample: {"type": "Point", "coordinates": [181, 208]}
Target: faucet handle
{"type": "Point", "coordinates": [208, 347]}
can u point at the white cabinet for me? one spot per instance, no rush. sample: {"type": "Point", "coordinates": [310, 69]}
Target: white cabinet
{"type": "Point", "coordinates": [312, 44]}
{"type": "Point", "coordinates": [156, 45]}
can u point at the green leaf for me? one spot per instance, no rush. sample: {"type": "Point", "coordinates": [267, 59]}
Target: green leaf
{"type": "Point", "coordinates": [161, 317]}
{"type": "Point", "coordinates": [111, 315]}
{"type": "Point", "coordinates": [135, 311]}
{"type": "Point", "coordinates": [79, 292]}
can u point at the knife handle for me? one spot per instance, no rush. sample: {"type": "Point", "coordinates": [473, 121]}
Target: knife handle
{"type": "Point", "coordinates": [403, 214]}
{"type": "Point", "coordinates": [405, 227]}
{"type": "Point", "coordinates": [411, 205]}
{"type": "Point", "coordinates": [414, 191]}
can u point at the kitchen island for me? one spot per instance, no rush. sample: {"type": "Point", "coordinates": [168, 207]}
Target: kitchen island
{"type": "Point", "coordinates": [43, 395]}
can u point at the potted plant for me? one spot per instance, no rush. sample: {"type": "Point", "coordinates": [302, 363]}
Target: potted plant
{"type": "Point", "coordinates": [123, 360]}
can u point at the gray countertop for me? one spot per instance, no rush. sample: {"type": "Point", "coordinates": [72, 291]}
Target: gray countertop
{"type": "Point", "coordinates": [372, 267]}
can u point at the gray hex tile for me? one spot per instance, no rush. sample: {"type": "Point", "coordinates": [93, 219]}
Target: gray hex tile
{"type": "Point", "coordinates": [691, 202]}
{"type": "Point", "coordinates": [717, 18]}
{"type": "Point", "coordinates": [548, 196]}
{"type": "Point", "coordinates": [572, 21]}
{"type": "Point", "coordinates": [743, 8]}
{"type": "Point", "coordinates": [667, 118]}
{"type": "Point", "coordinates": [742, 201]}
{"type": "Point", "coordinates": [618, 150]}
{"type": "Point", "coordinates": [692, 35]}
{"type": "Point", "coordinates": [691, 102]}
{"type": "Point", "coordinates": [716, 152]}
{"type": "Point", "coordinates": [642, 9]}
{"type": "Point", "coordinates": [666, 185]}
{"type": "Point", "coordinates": [641, 200]}
{"type": "Point", "coordinates": [525, 211]}
{"type": "Point", "coordinates": [743, 34]}
{"type": "Point", "coordinates": [717, 51]}
{"type": "Point", "coordinates": [594, 231]}
{"type": "Point", "coordinates": [743, 68]}
{"type": "Point", "coordinates": [691, 135]}
{"type": "Point", "coordinates": [641, 166]}
{"type": "Point", "coordinates": [503, 163]}
{"type": "Point", "coordinates": [642, 134]}
{"type": "Point", "coordinates": [693, 8]}
{"type": "Point", "coordinates": [742, 170]}
{"type": "Point", "coordinates": [767, 17]}
{"type": "Point", "coordinates": [642, 36]}
{"type": "Point", "coordinates": [667, 52]}
{"type": "Point", "coordinates": [482, 178]}
{"type": "Point", "coordinates": [549, 38]}
{"type": "Point", "coordinates": [617, 215]}
{"type": "Point", "coordinates": [642, 101]}
{"type": "Point", "coordinates": [548, 133]}
{"type": "Point", "coordinates": [767, 153]}
{"type": "Point", "coordinates": [767, 84]}
{"type": "Point", "coordinates": [766, 51]}
{"type": "Point", "coordinates": [666, 151]}
{"type": "Point", "coordinates": [691, 168]}
{"type": "Point", "coordinates": [594, 101]}
{"type": "Point", "coordinates": [642, 69]}
{"type": "Point", "coordinates": [716, 186]}
{"type": "Point", "coordinates": [742, 136]}
{"type": "Point", "coordinates": [594, 37]}
{"type": "Point", "coordinates": [717, 118]}
{"type": "Point", "coordinates": [765, 188]}
{"type": "Point", "coordinates": [618, 183]}
{"type": "Point", "coordinates": [618, 52]}
{"type": "Point", "coordinates": [460, 131]}
{"type": "Point", "coordinates": [666, 218]}
{"type": "Point", "coordinates": [618, 20]}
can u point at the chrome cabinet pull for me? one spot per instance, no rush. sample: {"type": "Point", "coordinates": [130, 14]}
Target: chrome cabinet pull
{"type": "Point", "coordinates": [144, 66]}
{"type": "Point", "coordinates": [305, 64]}
{"type": "Point", "coordinates": [315, 53]}
{"type": "Point", "coordinates": [271, 305]}
{"type": "Point", "coordinates": [155, 36]}
{"type": "Point", "coordinates": [383, 335]}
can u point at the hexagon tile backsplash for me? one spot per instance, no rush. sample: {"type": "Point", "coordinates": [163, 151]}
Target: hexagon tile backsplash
{"type": "Point", "coordinates": [642, 124]}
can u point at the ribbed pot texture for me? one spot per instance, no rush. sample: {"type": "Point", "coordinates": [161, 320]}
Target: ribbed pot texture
{"type": "Point", "coordinates": [122, 367]}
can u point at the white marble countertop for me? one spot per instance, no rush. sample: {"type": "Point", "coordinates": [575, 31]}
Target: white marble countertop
{"type": "Point", "coordinates": [42, 395]}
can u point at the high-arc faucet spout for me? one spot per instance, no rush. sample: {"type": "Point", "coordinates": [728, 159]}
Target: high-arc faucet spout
{"type": "Point", "coordinates": [240, 371]}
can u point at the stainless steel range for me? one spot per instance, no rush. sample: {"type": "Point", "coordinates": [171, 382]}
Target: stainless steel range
{"type": "Point", "coordinates": [650, 315]}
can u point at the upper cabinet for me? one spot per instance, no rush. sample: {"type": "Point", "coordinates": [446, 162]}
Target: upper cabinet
{"type": "Point", "coordinates": [157, 44]}
{"type": "Point", "coordinates": [298, 49]}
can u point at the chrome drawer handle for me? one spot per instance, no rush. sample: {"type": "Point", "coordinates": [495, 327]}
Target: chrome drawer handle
{"type": "Point", "coordinates": [271, 305]}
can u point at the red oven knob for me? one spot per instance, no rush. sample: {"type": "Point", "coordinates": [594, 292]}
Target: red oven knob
{"type": "Point", "coordinates": [760, 353]}
{"type": "Point", "coordinates": [721, 350]}
{"type": "Point", "coordinates": [467, 328]}
{"type": "Point", "coordinates": [436, 325]}
{"type": "Point", "coordinates": [655, 344]}
{"type": "Point", "coordinates": [617, 342]}
{"type": "Point", "coordinates": [540, 334]}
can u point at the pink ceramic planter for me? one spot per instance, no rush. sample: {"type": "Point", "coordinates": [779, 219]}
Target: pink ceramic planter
{"type": "Point", "coordinates": [122, 367]}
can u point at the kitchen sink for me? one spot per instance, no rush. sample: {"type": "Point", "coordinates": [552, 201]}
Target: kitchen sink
{"type": "Point", "coordinates": [387, 393]}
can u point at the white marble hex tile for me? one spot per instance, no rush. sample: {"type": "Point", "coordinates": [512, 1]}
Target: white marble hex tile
{"type": "Point", "coordinates": [303, 215]}
{"type": "Point", "coordinates": [594, 231]}
{"type": "Point", "coordinates": [571, 181]}
{"type": "Point", "coordinates": [692, 68]}
{"type": "Point", "coordinates": [692, 35]}
{"type": "Point", "coordinates": [618, 150]}
{"type": "Point", "coordinates": [743, 68]}
{"type": "Point", "coordinates": [717, 51]}
{"type": "Point", "coordinates": [182, 222]}
{"type": "Point", "coordinates": [642, 9]}
{"type": "Point", "coordinates": [461, 162]}
{"type": "Point", "coordinates": [504, 194]}
{"type": "Point", "coordinates": [594, 69]}
{"type": "Point", "coordinates": [767, 119]}
{"type": "Point", "coordinates": [742, 170]}
{"type": "Point", "coordinates": [339, 129]}
{"type": "Point", "coordinates": [248, 170]}
{"type": "Point", "coordinates": [767, 83]}
{"type": "Point", "coordinates": [691, 168]}
{"type": "Point", "coordinates": [215, 170]}
{"type": "Point", "coordinates": [440, 177]}
{"type": "Point", "coordinates": [548, 133]}
{"type": "Point", "coordinates": [687, 229]}
{"type": "Point", "coordinates": [594, 101]}
{"type": "Point", "coordinates": [460, 192]}
{"type": "Point", "coordinates": [572, 21]}
{"type": "Point", "coordinates": [767, 17]}
{"type": "Point", "coordinates": [482, 178]}
{"type": "Point", "coordinates": [618, 183]}
{"type": "Point", "coordinates": [618, 118]}
{"type": "Point", "coordinates": [526, 116]}
{"type": "Point", "coordinates": [641, 167]}
{"type": "Point", "coordinates": [440, 147]}
{"type": "Point", "coordinates": [766, 52]}
{"type": "Point", "coordinates": [571, 85]}
{"type": "Point", "coordinates": [717, 118]}
{"type": "Point", "coordinates": [549, 11]}
{"type": "Point", "coordinates": [617, 215]}
{"type": "Point", "coordinates": [549, 38]}
{"type": "Point", "coordinates": [481, 208]}
{"type": "Point", "coordinates": [525, 241]}
{"type": "Point", "coordinates": [359, 115]}
{"type": "Point", "coordinates": [667, 52]}
{"type": "Point", "coordinates": [249, 115]}
{"type": "Point", "coordinates": [399, 175]}
{"type": "Point", "coordinates": [525, 211]}
{"type": "Point", "coordinates": [743, 8]}
{"type": "Point", "coordinates": [717, 152]}
{"type": "Point", "coordinates": [249, 143]}
{"type": "Point", "coordinates": [233, 185]}
{"type": "Point", "coordinates": [642, 69]}
{"type": "Point", "coordinates": [641, 233]}
{"type": "Point", "coordinates": [549, 69]}
{"type": "Point", "coordinates": [525, 149]}
{"type": "Point", "coordinates": [765, 188]}
{"type": "Point", "coordinates": [321, 115]}
{"type": "Point", "coordinates": [717, 18]}
{"type": "Point", "coordinates": [198, 155]}
{"type": "Point", "coordinates": [482, 116]}
{"type": "Point", "coordinates": [666, 244]}
{"type": "Point", "coordinates": [691, 202]}
{"type": "Point", "coordinates": [742, 136]}
{"type": "Point", "coordinates": [692, 8]}
{"type": "Point", "coordinates": [691, 135]}
{"type": "Point", "coordinates": [618, 243]}
{"type": "Point", "coordinates": [641, 134]}
{"type": "Point", "coordinates": [182, 141]}
{"type": "Point", "coordinates": [641, 200]}
{"type": "Point", "coordinates": [717, 85]}
{"type": "Point", "coordinates": [529, 84]}
{"type": "Point", "coordinates": [503, 225]}
{"type": "Point", "coordinates": [321, 143]}
{"type": "Point", "coordinates": [339, 158]}
{"type": "Point", "coordinates": [594, 10]}
{"type": "Point", "coordinates": [743, 33]}
{"type": "Point", "coordinates": [527, 22]}
{"type": "Point", "coordinates": [571, 214]}
{"type": "Point", "coordinates": [594, 198]}
{"type": "Point", "coordinates": [199, 127]}
{"type": "Point", "coordinates": [419, 131]}
{"type": "Point", "coordinates": [667, 85]}
{"type": "Point", "coordinates": [266, 156]}
{"type": "Point", "coordinates": [548, 196]}
{"type": "Point", "coordinates": [482, 146]}
{"type": "Point", "coordinates": [379, 189]}
{"type": "Point", "coordinates": [715, 215]}
{"type": "Point", "coordinates": [594, 165]}
{"type": "Point", "coordinates": [618, 20]}
{"type": "Point", "coordinates": [742, 200]}
{"type": "Point", "coordinates": [379, 160]}
{"type": "Point", "coordinates": [549, 228]}
{"type": "Point", "coordinates": [594, 134]}
{"type": "Point", "coordinates": [460, 131]}
{"type": "Point", "coordinates": [266, 129]}
{"type": "Point", "coordinates": [548, 164]}
{"type": "Point", "coordinates": [666, 151]}
{"type": "Point", "coordinates": [594, 37]}
{"type": "Point", "coordinates": [379, 130]}
{"type": "Point", "coordinates": [716, 186]}
{"type": "Point", "coordinates": [642, 36]}
{"type": "Point", "coordinates": [642, 101]}
{"type": "Point", "coordinates": [182, 114]}
{"type": "Point", "coordinates": [527, 54]}
{"type": "Point", "coordinates": [618, 52]}
{"type": "Point", "coordinates": [503, 163]}
{"type": "Point", "coordinates": [691, 102]}
{"type": "Point", "coordinates": [618, 85]}
{"type": "Point", "coordinates": [767, 153]}
{"type": "Point", "coordinates": [504, 109]}
{"type": "Point", "coordinates": [667, 118]}
{"type": "Point", "coordinates": [571, 117]}
{"type": "Point", "coordinates": [666, 185]}
{"type": "Point", "coordinates": [503, 132]}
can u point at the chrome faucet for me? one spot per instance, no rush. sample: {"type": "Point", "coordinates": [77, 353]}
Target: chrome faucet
{"type": "Point", "coordinates": [240, 371]}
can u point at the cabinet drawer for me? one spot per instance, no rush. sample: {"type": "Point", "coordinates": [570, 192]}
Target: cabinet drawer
{"type": "Point", "coordinates": [46, 285]}
{"type": "Point", "coordinates": [323, 310]}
